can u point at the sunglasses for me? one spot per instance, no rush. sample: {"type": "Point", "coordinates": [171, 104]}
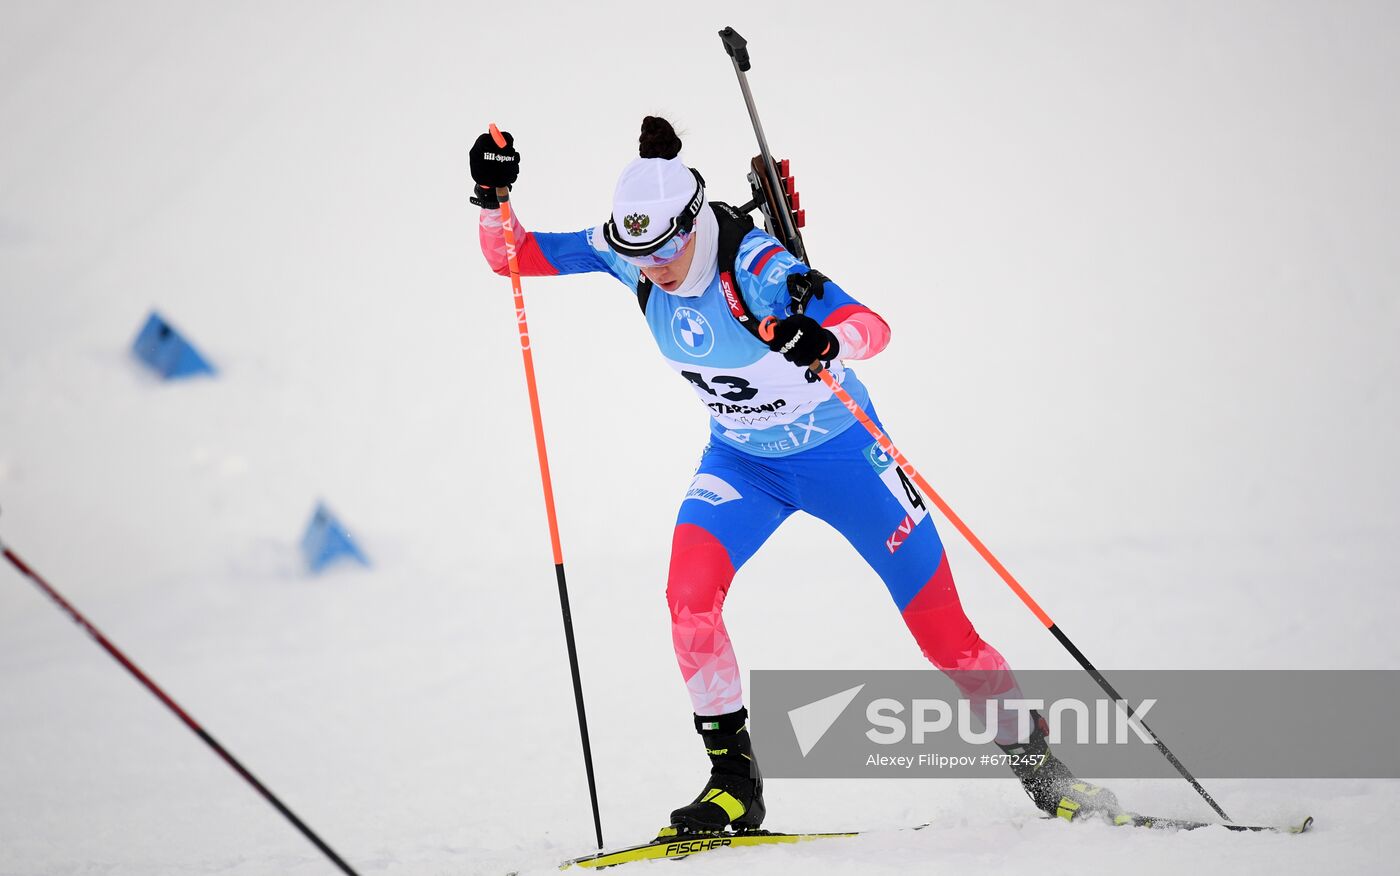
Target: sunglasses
{"type": "Point", "coordinates": [668, 252]}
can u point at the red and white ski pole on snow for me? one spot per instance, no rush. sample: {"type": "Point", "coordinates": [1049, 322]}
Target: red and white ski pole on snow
{"type": "Point", "coordinates": [173, 706]}
{"type": "Point", "coordinates": [737, 48]}
{"type": "Point", "coordinates": [508, 227]}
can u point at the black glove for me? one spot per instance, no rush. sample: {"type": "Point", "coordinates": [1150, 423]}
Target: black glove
{"type": "Point", "coordinates": [493, 167]}
{"type": "Point", "coordinates": [802, 340]}
{"type": "Point", "coordinates": [804, 287]}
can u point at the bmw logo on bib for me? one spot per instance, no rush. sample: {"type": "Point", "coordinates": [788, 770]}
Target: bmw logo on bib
{"type": "Point", "coordinates": [692, 332]}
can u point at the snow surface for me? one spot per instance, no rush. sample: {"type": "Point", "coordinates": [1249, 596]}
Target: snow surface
{"type": "Point", "coordinates": [1139, 259]}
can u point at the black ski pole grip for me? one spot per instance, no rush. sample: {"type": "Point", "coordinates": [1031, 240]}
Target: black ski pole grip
{"type": "Point", "coordinates": [737, 47]}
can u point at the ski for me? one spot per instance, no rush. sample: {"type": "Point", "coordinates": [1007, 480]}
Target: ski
{"type": "Point", "coordinates": [1132, 819]}
{"type": "Point", "coordinates": [680, 846]}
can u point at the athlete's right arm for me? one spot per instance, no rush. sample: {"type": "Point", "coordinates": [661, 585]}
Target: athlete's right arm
{"type": "Point", "coordinates": [496, 165]}
{"type": "Point", "coordinates": [540, 255]}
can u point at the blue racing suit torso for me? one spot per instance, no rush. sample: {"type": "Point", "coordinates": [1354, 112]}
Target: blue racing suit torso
{"type": "Point", "coordinates": [759, 403]}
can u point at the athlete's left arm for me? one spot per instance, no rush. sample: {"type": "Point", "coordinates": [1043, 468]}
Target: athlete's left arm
{"type": "Point", "coordinates": [860, 330]}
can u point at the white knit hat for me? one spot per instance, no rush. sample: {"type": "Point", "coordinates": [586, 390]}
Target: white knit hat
{"type": "Point", "coordinates": [655, 199]}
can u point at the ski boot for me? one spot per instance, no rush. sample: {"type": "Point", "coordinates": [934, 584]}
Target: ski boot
{"type": "Point", "coordinates": [1052, 787]}
{"type": "Point", "coordinates": [733, 796]}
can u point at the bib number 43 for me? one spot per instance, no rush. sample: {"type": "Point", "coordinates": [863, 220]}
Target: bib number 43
{"type": "Point", "coordinates": [737, 389]}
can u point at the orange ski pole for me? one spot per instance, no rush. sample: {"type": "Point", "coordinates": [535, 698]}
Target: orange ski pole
{"type": "Point", "coordinates": [766, 331]}
{"type": "Point", "coordinates": [508, 227]}
{"type": "Point", "coordinates": [737, 48]}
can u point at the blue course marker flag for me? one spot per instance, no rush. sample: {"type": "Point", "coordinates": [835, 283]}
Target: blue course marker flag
{"type": "Point", "coordinates": [327, 540]}
{"type": "Point", "coordinates": [167, 353]}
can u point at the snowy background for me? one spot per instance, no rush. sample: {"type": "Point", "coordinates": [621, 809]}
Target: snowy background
{"type": "Point", "coordinates": [1140, 260]}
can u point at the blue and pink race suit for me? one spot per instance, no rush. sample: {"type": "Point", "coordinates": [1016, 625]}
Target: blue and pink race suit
{"type": "Point", "coordinates": [778, 444]}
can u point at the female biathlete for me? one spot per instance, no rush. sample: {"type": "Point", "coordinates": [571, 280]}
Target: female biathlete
{"type": "Point", "coordinates": [779, 442]}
